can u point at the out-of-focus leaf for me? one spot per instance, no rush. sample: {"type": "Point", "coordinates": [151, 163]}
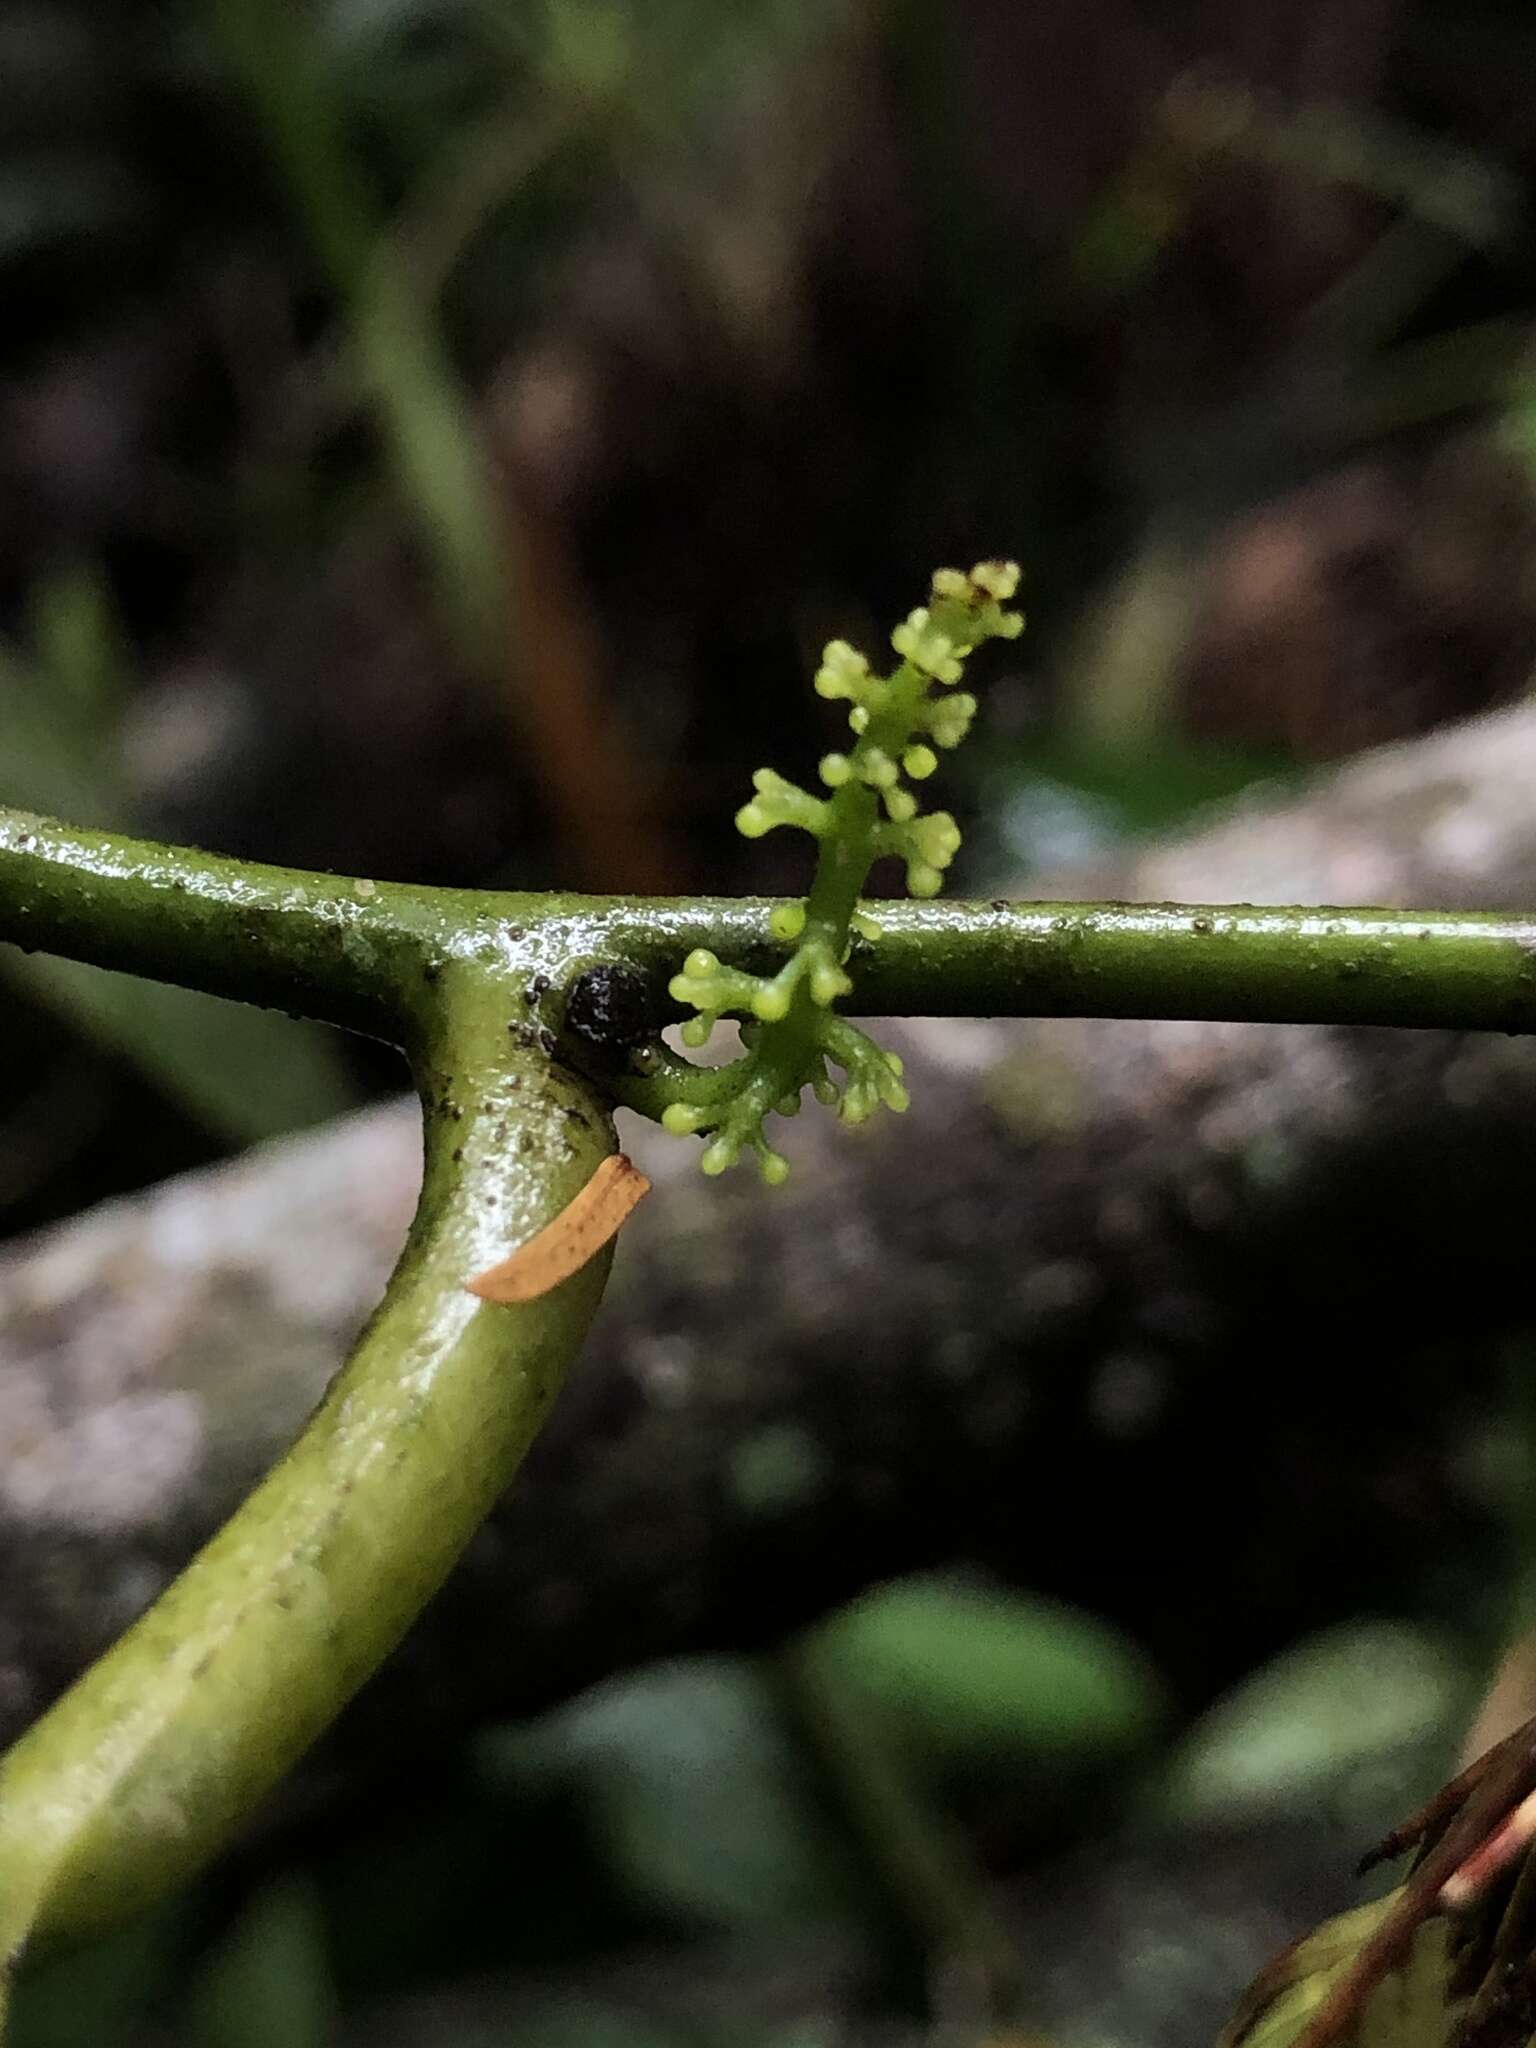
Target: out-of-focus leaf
{"type": "Point", "coordinates": [97, 1992]}
{"type": "Point", "coordinates": [244, 1074]}
{"type": "Point", "coordinates": [1412, 2008]}
{"type": "Point", "coordinates": [268, 1984]}
{"type": "Point", "coordinates": [1350, 1699]}
{"type": "Point", "coordinates": [694, 1791]}
{"type": "Point", "coordinates": [47, 762]}
{"type": "Point", "coordinates": [76, 647]}
{"type": "Point", "coordinates": [577, 2023]}
{"type": "Point", "coordinates": [971, 1672]}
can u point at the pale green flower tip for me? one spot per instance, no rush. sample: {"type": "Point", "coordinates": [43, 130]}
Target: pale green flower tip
{"type": "Point", "coordinates": [919, 762]}
{"type": "Point", "coordinates": [908, 636]}
{"type": "Point", "coordinates": [900, 805]}
{"type": "Point", "coordinates": [896, 1063]}
{"type": "Point", "coordinates": [1000, 580]}
{"type": "Point", "coordinates": [752, 821]}
{"type": "Point", "coordinates": [844, 659]}
{"type": "Point", "coordinates": [923, 880]}
{"type": "Point", "coordinates": [788, 1105]}
{"type": "Point", "coordinates": [855, 1107]}
{"type": "Point", "coordinates": [773, 1167]}
{"type": "Point", "coordinates": [950, 583]}
{"type": "Point", "coordinates": [788, 921]}
{"type": "Point", "coordinates": [1010, 625]}
{"type": "Point", "coordinates": [858, 719]}
{"type": "Point", "coordinates": [827, 984]}
{"type": "Point", "coordinates": [717, 1156]}
{"type": "Point", "coordinates": [877, 768]}
{"type": "Point", "coordinates": [865, 926]}
{"type": "Point", "coordinates": [697, 1031]}
{"type": "Point", "coordinates": [770, 1003]}
{"type": "Point", "coordinates": [680, 1118]}
{"type": "Point", "coordinates": [896, 1098]}
{"type": "Point", "coordinates": [826, 1091]}
{"type": "Point", "coordinates": [834, 770]}
{"type": "Point", "coordinates": [767, 781]}
{"type": "Point", "coordinates": [700, 965]}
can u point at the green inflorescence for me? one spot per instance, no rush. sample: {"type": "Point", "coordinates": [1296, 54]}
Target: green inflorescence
{"type": "Point", "coordinates": [792, 1035]}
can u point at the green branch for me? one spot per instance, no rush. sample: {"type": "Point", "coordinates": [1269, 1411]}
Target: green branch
{"type": "Point", "coordinates": [365, 954]}
{"type": "Point", "coordinates": [138, 1774]}
{"type": "Point", "coordinates": [150, 1762]}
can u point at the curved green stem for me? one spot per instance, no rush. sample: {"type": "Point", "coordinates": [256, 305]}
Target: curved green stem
{"type": "Point", "coordinates": [149, 1763]}
{"type": "Point", "coordinates": [151, 1760]}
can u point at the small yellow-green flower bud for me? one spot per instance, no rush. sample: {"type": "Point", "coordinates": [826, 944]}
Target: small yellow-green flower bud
{"type": "Point", "coordinates": [843, 670]}
{"type": "Point", "coordinates": [900, 805]}
{"type": "Point", "coordinates": [834, 770]}
{"type": "Point", "coordinates": [919, 762]}
{"type": "Point", "coordinates": [1000, 580]}
{"type": "Point", "coordinates": [828, 983]}
{"type": "Point", "coordinates": [788, 921]}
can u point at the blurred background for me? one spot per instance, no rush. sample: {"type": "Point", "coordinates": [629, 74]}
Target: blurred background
{"type": "Point", "coordinates": [435, 438]}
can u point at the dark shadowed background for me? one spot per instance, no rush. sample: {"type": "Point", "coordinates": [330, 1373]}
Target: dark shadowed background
{"type": "Point", "coordinates": [436, 437]}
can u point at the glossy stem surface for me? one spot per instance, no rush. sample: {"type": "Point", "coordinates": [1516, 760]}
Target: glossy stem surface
{"type": "Point", "coordinates": [148, 1764]}
{"type": "Point", "coordinates": [362, 953]}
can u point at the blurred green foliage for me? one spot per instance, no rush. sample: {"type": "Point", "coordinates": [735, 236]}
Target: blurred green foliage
{"type": "Point", "coordinates": [417, 171]}
{"type": "Point", "coordinates": [244, 1073]}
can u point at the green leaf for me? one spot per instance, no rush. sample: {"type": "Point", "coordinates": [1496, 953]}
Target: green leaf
{"type": "Point", "coordinates": [50, 759]}
{"type": "Point", "coordinates": [574, 2023]}
{"type": "Point", "coordinates": [971, 1673]}
{"type": "Point", "coordinates": [77, 647]}
{"type": "Point", "coordinates": [1412, 2008]}
{"type": "Point", "coordinates": [243, 1073]}
{"type": "Point", "coordinates": [268, 1985]}
{"type": "Point", "coordinates": [1341, 1704]}
{"type": "Point", "coordinates": [694, 1791]}
{"type": "Point", "coordinates": [94, 1993]}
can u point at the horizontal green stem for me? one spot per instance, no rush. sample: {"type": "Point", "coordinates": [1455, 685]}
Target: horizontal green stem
{"type": "Point", "coordinates": [365, 954]}
{"type": "Point", "coordinates": [133, 1779]}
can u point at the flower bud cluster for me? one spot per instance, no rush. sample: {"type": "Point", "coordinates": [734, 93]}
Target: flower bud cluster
{"type": "Point", "coordinates": [788, 1026]}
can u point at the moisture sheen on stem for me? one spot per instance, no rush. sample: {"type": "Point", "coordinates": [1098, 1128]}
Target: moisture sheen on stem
{"type": "Point", "coordinates": [150, 1762]}
{"type": "Point", "coordinates": [357, 952]}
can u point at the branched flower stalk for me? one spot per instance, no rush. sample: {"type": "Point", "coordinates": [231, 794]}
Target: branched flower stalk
{"type": "Point", "coordinates": [155, 1756]}
{"type": "Point", "coordinates": [791, 1032]}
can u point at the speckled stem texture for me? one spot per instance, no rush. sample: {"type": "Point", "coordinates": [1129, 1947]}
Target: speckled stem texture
{"type": "Point", "coordinates": [973, 1326]}
{"type": "Point", "coordinates": [140, 1772]}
